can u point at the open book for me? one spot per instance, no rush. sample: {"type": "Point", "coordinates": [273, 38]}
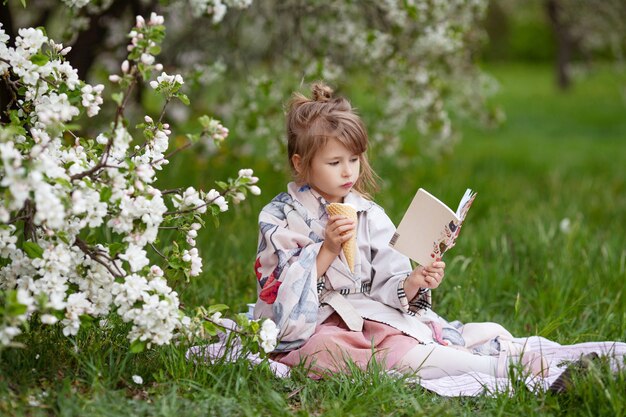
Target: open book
{"type": "Point", "coordinates": [429, 228]}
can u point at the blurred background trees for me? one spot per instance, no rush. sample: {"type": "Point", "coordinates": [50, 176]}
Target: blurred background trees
{"type": "Point", "coordinates": [570, 33]}
{"type": "Point", "coordinates": [241, 59]}
{"type": "Point", "coordinates": [421, 60]}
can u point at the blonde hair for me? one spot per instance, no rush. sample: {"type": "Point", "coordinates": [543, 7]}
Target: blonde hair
{"type": "Point", "coordinates": [312, 122]}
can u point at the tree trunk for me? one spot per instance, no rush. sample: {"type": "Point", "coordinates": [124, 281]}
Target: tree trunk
{"type": "Point", "coordinates": [7, 25]}
{"type": "Point", "coordinates": [89, 42]}
{"type": "Point", "coordinates": [564, 43]}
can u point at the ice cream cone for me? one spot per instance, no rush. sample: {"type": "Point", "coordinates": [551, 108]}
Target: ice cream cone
{"type": "Point", "coordinates": [349, 247]}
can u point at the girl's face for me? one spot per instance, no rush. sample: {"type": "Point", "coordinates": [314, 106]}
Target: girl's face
{"type": "Point", "coordinates": [334, 171]}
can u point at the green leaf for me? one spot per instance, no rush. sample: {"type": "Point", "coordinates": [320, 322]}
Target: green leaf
{"type": "Point", "coordinates": [63, 236]}
{"type": "Point", "coordinates": [105, 194]}
{"type": "Point", "coordinates": [86, 320]}
{"type": "Point", "coordinates": [13, 307]}
{"type": "Point", "coordinates": [210, 328]}
{"type": "Point", "coordinates": [63, 182]}
{"type": "Point", "coordinates": [32, 249]}
{"type": "Point", "coordinates": [72, 126]}
{"type": "Point", "coordinates": [146, 71]}
{"type": "Point", "coordinates": [15, 118]}
{"type": "Point", "coordinates": [137, 346]}
{"type": "Point", "coordinates": [197, 218]}
{"type": "Point", "coordinates": [176, 263]}
{"type": "Point", "coordinates": [183, 98]}
{"type": "Point", "coordinates": [39, 59]}
{"type": "Point", "coordinates": [115, 248]}
{"type": "Point", "coordinates": [204, 121]}
{"type": "Point", "coordinates": [193, 137]}
{"type": "Point", "coordinates": [242, 320]}
{"type": "Point", "coordinates": [16, 309]}
{"type": "Point", "coordinates": [222, 185]}
{"type": "Point", "coordinates": [118, 98]}
{"type": "Point", "coordinates": [217, 307]}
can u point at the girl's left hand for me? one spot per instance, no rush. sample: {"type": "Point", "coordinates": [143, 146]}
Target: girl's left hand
{"type": "Point", "coordinates": [433, 274]}
{"type": "Point", "coordinates": [424, 277]}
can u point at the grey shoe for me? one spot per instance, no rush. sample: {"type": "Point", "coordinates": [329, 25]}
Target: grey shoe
{"type": "Point", "coordinates": [565, 381]}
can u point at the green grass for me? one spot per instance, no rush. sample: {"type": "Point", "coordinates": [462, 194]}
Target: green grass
{"type": "Point", "coordinates": [557, 156]}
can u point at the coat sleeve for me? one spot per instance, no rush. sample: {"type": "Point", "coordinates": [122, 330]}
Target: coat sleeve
{"type": "Point", "coordinates": [286, 273]}
{"type": "Point", "coordinates": [389, 267]}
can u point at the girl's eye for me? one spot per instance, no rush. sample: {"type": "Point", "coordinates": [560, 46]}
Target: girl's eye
{"type": "Point", "coordinates": [354, 160]}
{"type": "Point", "coordinates": [334, 163]}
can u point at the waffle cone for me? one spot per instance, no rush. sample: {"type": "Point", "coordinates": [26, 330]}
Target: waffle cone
{"type": "Point", "coordinates": [349, 247]}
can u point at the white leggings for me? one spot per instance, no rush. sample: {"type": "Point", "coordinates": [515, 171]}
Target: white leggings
{"type": "Point", "coordinates": [436, 361]}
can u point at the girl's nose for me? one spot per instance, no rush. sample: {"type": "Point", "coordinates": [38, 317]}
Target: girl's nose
{"type": "Point", "coordinates": [347, 171]}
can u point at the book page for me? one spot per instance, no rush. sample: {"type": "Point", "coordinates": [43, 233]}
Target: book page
{"type": "Point", "coordinates": [465, 204]}
{"type": "Point", "coordinates": [427, 230]}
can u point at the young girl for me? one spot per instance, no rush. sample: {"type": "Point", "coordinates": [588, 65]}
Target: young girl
{"type": "Point", "coordinates": [326, 313]}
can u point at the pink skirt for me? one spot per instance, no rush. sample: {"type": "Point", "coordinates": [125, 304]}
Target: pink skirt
{"type": "Point", "coordinates": [333, 345]}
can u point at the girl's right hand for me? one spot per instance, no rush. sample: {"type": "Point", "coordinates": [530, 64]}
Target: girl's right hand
{"type": "Point", "coordinates": [339, 229]}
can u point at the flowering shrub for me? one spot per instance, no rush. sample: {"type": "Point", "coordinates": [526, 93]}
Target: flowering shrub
{"type": "Point", "coordinates": [80, 216]}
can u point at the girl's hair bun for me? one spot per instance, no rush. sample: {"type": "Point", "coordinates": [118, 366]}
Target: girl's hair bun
{"type": "Point", "coordinates": [321, 92]}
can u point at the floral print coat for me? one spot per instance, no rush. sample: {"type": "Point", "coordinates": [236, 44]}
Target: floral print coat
{"type": "Point", "coordinates": [289, 292]}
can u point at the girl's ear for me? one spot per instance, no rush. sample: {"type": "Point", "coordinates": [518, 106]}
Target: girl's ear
{"type": "Point", "coordinates": [296, 160]}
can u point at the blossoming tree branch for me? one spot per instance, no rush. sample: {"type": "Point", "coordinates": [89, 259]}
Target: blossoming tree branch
{"type": "Point", "coordinates": [80, 216]}
{"type": "Point", "coordinates": [419, 59]}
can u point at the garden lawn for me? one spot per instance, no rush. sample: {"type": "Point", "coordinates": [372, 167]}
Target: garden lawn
{"type": "Point", "coordinates": [543, 251]}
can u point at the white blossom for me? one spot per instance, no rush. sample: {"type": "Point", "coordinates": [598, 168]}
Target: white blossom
{"type": "Point", "coordinates": [91, 98]}
{"type": "Point", "coordinates": [190, 200]}
{"type": "Point", "coordinates": [136, 257]}
{"type": "Point", "coordinates": [7, 240]}
{"type": "Point", "coordinates": [191, 256]}
{"type": "Point", "coordinates": [216, 131]}
{"type": "Point", "coordinates": [78, 4]}
{"type": "Point", "coordinates": [25, 298]}
{"type": "Point", "coordinates": [155, 19]}
{"type": "Point", "coordinates": [147, 58]}
{"type": "Point", "coordinates": [217, 318]}
{"type": "Point", "coordinates": [77, 305]}
{"type": "Point", "coordinates": [47, 197]}
{"type": "Point", "coordinates": [30, 40]}
{"type": "Point", "coordinates": [268, 335]}
{"type": "Point", "coordinates": [55, 108]}
{"type": "Point", "coordinates": [164, 78]}
{"type": "Point", "coordinates": [214, 197]}
{"type": "Point", "coordinates": [238, 197]}
{"type": "Point", "coordinates": [157, 318]}
{"type": "Point", "coordinates": [48, 319]}
{"type": "Point", "coordinates": [7, 333]}
{"type": "Point", "coordinates": [245, 173]}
